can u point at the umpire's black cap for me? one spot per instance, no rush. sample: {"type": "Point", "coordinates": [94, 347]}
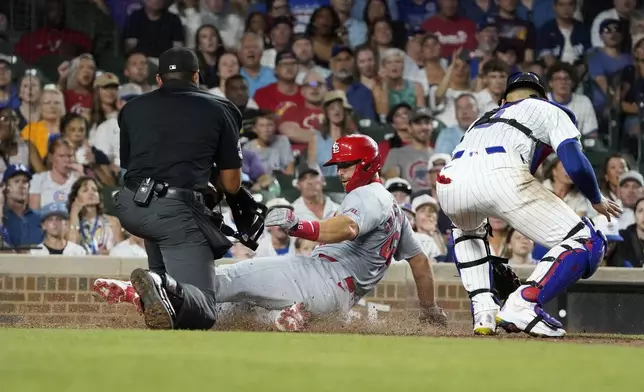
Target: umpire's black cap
{"type": "Point", "coordinates": [178, 60]}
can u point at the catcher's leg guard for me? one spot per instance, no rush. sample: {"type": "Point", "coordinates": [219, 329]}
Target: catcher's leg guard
{"type": "Point", "coordinates": [575, 258]}
{"type": "Point", "coordinates": [578, 256]}
{"type": "Point", "coordinates": [472, 255]}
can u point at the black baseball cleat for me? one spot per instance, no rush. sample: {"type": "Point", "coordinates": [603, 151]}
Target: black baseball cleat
{"type": "Point", "coordinates": [157, 309]}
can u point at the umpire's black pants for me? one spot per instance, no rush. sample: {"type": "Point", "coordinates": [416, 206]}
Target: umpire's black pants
{"type": "Point", "coordinates": [175, 245]}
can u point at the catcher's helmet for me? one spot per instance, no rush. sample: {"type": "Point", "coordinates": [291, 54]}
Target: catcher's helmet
{"type": "Point", "coordinates": [524, 80]}
{"type": "Point", "coordinates": [358, 150]}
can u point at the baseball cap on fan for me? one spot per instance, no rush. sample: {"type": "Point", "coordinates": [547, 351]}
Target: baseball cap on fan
{"type": "Point", "coordinates": [14, 170]}
{"type": "Point", "coordinates": [422, 200]}
{"type": "Point", "coordinates": [284, 55]}
{"type": "Point", "coordinates": [420, 114]}
{"type": "Point", "coordinates": [54, 209]}
{"type": "Point", "coordinates": [178, 60]}
{"type": "Point", "coordinates": [631, 175]}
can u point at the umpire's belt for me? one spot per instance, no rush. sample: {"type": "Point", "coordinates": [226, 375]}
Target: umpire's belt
{"type": "Point", "coordinates": [185, 195]}
{"type": "Point", "coordinates": [488, 150]}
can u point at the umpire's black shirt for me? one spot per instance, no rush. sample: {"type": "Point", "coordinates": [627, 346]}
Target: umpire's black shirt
{"type": "Point", "coordinates": [176, 133]}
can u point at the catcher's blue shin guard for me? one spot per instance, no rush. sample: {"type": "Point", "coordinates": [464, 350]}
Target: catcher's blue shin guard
{"type": "Point", "coordinates": [578, 258]}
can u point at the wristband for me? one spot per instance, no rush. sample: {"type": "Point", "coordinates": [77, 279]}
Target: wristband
{"type": "Point", "coordinates": [308, 230]}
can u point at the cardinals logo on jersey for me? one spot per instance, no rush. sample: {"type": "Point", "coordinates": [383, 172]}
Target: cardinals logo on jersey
{"type": "Point", "coordinates": [282, 107]}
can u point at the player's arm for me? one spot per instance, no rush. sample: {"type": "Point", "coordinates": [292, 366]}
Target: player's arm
{"type": "Point", "coordinates": [329, 231]}
{"type": "Point", "coordinates": [356, 217]}
{"type": "Point", "coordinates": [410, 249]}
{"type": "Point", "coordinates": [124, 141]}
{"type": "Point", "coordinates": [564, 137]}
{"type": "Point", "coordinates": [424, 278]}
{"type": "Point", "coordinates": [228, 157]}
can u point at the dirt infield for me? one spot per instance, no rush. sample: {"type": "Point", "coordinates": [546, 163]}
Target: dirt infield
{"type": "Point", "coordinates": [398, 326]}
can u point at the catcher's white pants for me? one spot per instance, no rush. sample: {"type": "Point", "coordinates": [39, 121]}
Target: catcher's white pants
{"type": "Point", "coordinates": [473, 189]}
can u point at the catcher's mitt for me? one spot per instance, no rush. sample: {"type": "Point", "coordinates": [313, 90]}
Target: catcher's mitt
{"type": "Point", "coordinates": [249, 217]}
{"type": "Point", "coordinates": [506, 280]}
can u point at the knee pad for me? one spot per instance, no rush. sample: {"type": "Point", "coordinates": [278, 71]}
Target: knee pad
{"type": "Point", "coordinates": [575, 258]}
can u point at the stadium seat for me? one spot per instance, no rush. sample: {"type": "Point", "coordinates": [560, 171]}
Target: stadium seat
{"type": "Point", "coordinates": [109, 62]}
{"type": "Point", "coordinates": [48, 65]}
{"type": "Point", "coordinates": [6, 47]}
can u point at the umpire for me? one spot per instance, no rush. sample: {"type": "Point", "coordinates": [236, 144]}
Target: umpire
{"type": "Point", "coordinates": [171, 139]}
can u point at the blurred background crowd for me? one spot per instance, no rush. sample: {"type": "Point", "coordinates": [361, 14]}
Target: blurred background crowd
{"type": "Point", "coordinates": [412, 74]}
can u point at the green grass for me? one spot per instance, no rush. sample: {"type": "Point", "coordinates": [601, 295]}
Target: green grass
{"type": "Point", "coordinates": [178, 361]}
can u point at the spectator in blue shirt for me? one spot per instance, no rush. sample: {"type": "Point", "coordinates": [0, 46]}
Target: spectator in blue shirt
{"type": "Point", "coordinates": [414, 12]}
{"type": "Point", "coordinates": [342, 78]}
{"type": "Point", "coordinates": [563, 38]}
{"type": "Point", "coordinates": [472, 10]}
{"type": "Point", "coordinates": [250, 55]}
{"type": "Point", "coordinates": [607, 63]}
{"type": "Point", "coordinates": [20, 225]}
{"type": "Point", "coordinates": [540, 13]}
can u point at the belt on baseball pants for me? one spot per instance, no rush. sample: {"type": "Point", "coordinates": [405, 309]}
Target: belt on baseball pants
{"type": "Point", "coordinates": [488, 150]}
{"type": "Point", "coordinates": [347, 284]}
{"type": "Point", "coordinates": [185, 195]}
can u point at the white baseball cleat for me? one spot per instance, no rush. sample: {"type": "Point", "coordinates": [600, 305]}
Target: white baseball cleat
{"type": "Point", "coordinates": [485, 322]}
{"type": "Point", "coordinates": [292, 318]}
{"type": "Point", "coordinates": [484, 310]}
{"type": "Point", "coordinates": [114, 291]}
{"type": "Point", "coordinates": [519, 315]}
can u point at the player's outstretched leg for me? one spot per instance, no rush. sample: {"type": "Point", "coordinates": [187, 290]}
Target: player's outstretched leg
{"type": "Point", "coordinates": [577, 257]}
{"type": "Point", "coordinates": [114, 291]}
{"type": "Point", "coordinates": [472, 253]}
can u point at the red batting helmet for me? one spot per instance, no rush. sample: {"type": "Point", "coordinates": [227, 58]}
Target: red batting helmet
{"type": "Point", "coordinates": [358, 150]}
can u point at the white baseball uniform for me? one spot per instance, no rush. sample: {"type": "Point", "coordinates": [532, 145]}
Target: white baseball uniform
{"type": "Point", "coordinates": [491, 174]}
{"type": "Point", "coordinates": [335, 276]}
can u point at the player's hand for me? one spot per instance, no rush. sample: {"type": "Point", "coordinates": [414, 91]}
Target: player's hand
{"type": "Point", "coordinates": [607, 208]}
{"type": "Point", "coordinates": [283, 217]}
{"type": "Point", "coordinates": [433, 315]}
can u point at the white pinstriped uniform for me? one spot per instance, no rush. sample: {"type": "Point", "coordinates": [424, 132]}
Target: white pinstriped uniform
{"type": "Point", "coordinates": [501, 184]}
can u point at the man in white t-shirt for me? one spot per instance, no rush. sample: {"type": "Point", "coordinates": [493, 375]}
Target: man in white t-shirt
{"type": "Point", "coordinates": [312, 204]}
{"type": "Point", "coordinates": [107, 135]}
{"type": "Point", "coordinates": [55, 219]}
{"type": "Point", "coordinates": [275, 241]}
{"type": "Point", "coordinates": [131, 247]}
{"type": "Point", "coordinates": [562, 79]}
{"type": "Point", "coordinates": [53, 186]}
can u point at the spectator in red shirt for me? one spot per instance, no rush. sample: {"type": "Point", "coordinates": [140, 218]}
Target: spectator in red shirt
{"type": "Point", "coordinates": [299, 123]}
{"type": "Point", "coordinates": [77, 79]}
{"type": "Point", "coordinates": [453, 31]}
{"type": "Point", "coordinates": [53, 38]}
{"type": "Point", "coordinates": [285, 93]}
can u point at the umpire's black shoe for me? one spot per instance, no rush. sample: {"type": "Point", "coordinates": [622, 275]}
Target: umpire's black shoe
{"type": "Point", "coordinates": [157, 309]}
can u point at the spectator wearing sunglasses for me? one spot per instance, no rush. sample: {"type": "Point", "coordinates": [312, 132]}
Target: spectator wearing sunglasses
{"type": "Point", "coordinates": [606, 63]}
{"type": "Point", "coordinates": [300, 123]}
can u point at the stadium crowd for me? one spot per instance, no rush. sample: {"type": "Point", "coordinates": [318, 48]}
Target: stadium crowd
{"type": "Point", "coordinates": [412, 74]}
